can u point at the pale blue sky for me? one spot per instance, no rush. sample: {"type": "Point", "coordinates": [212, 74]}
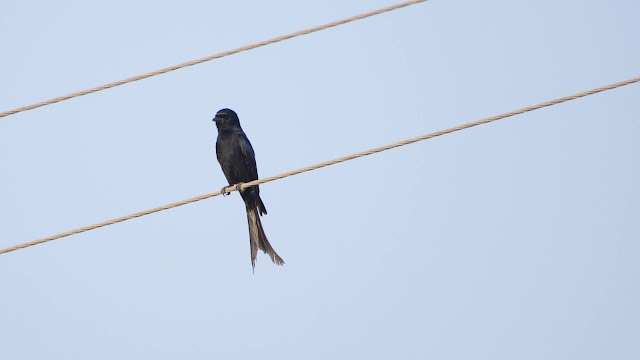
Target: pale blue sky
{"type": "Point", "coordinates": [513, 240]}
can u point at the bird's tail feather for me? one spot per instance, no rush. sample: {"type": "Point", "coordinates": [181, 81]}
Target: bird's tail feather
{"type": "Point", "coordinates": [258, 238]}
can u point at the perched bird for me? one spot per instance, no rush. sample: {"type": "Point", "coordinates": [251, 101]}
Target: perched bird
{"type": "Point", "coordinates": [237, 159]}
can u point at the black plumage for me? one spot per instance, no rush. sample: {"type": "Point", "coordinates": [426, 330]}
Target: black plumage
{"type": "Point", "coordinates": [238, 162]}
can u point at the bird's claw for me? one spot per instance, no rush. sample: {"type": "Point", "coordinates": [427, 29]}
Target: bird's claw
{"type": "Point", "coordinates": [224, 193]}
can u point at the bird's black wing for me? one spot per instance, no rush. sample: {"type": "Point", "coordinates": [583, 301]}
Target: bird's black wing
{"type": "Point", "coordinates": [249, 157]}
{"type": "Point", "coordinates": [250, 195]}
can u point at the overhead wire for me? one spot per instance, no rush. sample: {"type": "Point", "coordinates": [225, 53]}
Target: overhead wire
{"type": "Point", "coordinates": [241, 186]}
{"type": "Point", "coordinates": [212, 57]}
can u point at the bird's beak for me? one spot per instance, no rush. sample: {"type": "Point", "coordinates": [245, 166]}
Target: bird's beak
{"type": "Point", "coordinates": [216, 119]}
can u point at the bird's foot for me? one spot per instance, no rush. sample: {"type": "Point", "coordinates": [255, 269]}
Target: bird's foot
{"type": "Point", "coordinates": [224, 193]}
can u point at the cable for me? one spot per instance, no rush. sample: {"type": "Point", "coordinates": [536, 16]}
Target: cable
{"type": "Point", "coordinates": [326, 163]}
{"type": "Point", "coordinates": [211, 57]}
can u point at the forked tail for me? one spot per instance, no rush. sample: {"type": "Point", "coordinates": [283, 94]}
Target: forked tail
{"type": "Point", "coordinates": [258, 238]}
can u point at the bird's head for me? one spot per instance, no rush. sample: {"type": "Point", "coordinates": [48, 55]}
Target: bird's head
{"type": "Point", "coordinates": [226, 119]}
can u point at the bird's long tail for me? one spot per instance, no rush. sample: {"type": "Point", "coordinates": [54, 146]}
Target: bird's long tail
{"type": "Point", "coordinates": [258, 239]}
